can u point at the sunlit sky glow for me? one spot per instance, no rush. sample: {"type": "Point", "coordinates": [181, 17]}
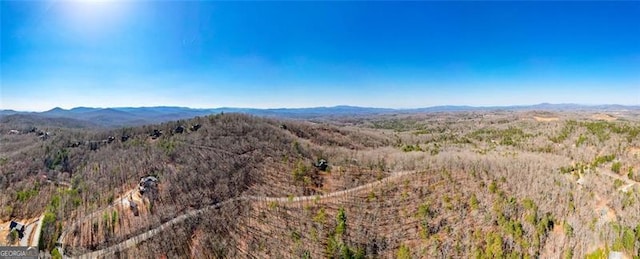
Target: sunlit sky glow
{"type": "Point", "coordinates": [306, 54]}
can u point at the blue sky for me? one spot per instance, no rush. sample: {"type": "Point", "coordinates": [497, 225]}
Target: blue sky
{"type": "Point", "coordinates": [305, 54]}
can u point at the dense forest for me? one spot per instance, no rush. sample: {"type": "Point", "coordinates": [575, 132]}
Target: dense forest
{"type": "Point", "coordinates": [449, 184]}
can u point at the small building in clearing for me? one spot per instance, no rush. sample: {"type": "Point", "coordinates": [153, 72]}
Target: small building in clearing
{"type": "Point", "coordinates": [18, 227]}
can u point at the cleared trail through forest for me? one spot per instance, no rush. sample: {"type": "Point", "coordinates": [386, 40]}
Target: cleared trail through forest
{"type": "Point", "coordinates": [629, 182]}
{"type": "Point", "coordinates": [131, 242]}
{"type": "Point", "coordinates": [329, 196]}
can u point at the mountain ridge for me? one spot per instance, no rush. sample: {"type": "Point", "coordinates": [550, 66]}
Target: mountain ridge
{"type": "Point", "coordinates": [132, 116]}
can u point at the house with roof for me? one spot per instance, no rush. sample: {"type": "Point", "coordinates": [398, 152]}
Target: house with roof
{"type": "Point", "coordinates": [18, 227]}
{"type": "Point", "coordinates": [147, 183]}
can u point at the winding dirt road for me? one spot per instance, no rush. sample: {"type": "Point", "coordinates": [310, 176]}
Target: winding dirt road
{"type": "Point", "coordinates": [89, 216]}
{"type": "Point", "coordinates": [630, 183]}
{"type": "Point", "coordinates": [131, 242]}
{"type": "Point", "coordinates": [36, 236]}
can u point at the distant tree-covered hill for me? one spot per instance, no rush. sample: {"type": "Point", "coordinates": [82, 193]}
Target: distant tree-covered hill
{"type": "Point", "coordinates": [134, 116]}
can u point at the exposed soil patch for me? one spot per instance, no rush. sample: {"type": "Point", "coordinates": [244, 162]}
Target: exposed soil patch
{"type": "Point", "coordinates": [4, 231]}
{"type": "Point", "coordinates": [545, 119]}
{"type": "Point", "coordinates": [604, 117]}
{"type": "Point", "coordinates": [605, 213]}
{"type": "Point", "coordinates": [556, 236]}
{"type": "Point", "coordinates": [634, 151]}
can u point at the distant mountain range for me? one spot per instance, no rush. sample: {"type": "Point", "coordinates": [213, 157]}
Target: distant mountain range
{"type": "Point", "coordinates": [131, 116]}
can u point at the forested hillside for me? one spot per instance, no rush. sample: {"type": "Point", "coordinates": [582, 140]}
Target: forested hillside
{"type": "Point", "coordinates": [462, 184]}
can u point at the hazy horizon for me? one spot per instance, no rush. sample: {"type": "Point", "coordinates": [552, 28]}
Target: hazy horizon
{"type": "Point", "coordinates": [313, 107]}
{"type": "Point", "coordinates": [317, 54]}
